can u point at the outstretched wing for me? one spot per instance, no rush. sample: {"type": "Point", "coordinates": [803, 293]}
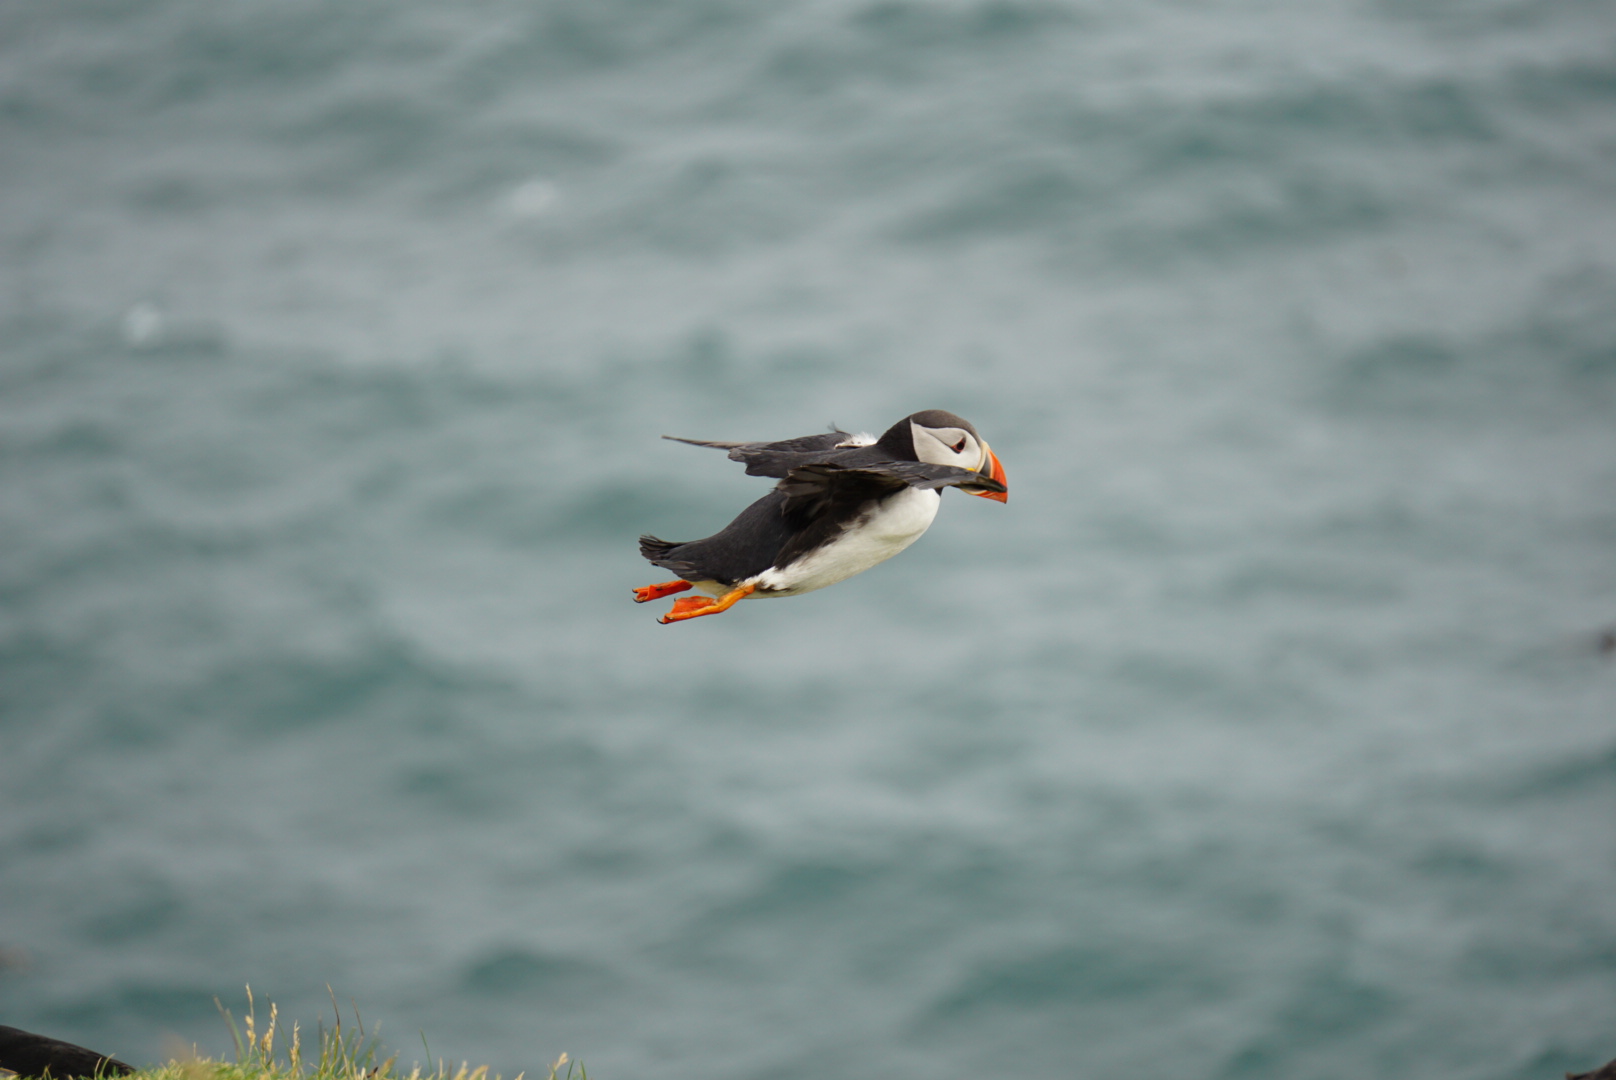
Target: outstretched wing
{"type": "Point", "coordinates": [815, 488]}
{"type": "Point", "coordinates": [776, 459]}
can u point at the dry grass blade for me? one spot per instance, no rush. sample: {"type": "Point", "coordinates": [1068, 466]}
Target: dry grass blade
{"type": "Point", "coordinates": [341, 1052]}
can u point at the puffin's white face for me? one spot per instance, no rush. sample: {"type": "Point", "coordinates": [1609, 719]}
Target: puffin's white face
{"type": "Point", "coordinates": [948, 446]}
{"type": "Point", "coordinates": [961, 449]}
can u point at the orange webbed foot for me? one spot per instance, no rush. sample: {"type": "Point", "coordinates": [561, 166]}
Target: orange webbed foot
{"type": "Point", "coordinates": [658, 591]}
{"type": "Point", "coordinates": [690, 607]}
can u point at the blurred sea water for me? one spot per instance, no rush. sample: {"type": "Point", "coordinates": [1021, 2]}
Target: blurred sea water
{"type": "Point", "coordinates": [1263, 733]}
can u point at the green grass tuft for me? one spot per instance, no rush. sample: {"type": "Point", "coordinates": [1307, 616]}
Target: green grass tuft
{"type": "Point", "coordinates": [268, 1050]}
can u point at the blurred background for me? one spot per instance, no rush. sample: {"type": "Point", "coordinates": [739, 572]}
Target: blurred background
{"type": "Point", "coordinates": [1265, 732]}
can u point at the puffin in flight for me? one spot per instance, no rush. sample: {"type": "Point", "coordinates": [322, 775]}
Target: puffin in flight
{"type": "Point", "coordinates": [844, 503]}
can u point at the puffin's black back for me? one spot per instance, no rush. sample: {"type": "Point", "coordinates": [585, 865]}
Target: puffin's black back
{"type": "Point", "coordinates": [27, 1054]}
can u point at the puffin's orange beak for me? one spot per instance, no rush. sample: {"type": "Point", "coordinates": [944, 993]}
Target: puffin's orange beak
{"type": "Point", "coordinates": [997, 472]}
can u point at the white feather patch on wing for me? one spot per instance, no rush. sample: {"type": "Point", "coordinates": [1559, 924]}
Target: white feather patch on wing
{"type": "Point", "coordinates": [863, 438]}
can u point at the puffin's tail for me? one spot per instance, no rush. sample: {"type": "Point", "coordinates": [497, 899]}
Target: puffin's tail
{"type": "Point", "coordinates": [655, 550]}
{"type": "Point", "coordinates": [664, 553]}
{"type": "Point", "coordinates": [659, 553]}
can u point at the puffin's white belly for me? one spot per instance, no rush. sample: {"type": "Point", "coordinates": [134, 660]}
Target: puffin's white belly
{"type": "Point", "coordinates": [881, 531]}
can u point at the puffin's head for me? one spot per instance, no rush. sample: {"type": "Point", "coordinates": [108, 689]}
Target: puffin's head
{"type": "Point", "coordinates": [941, 438]}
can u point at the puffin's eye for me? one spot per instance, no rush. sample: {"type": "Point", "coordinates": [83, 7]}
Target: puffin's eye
{"type": "Point", "coordinates": [959, 446]}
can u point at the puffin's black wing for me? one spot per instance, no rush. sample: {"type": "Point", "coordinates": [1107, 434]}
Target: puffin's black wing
{"type": "Point", "coordinates": [776, 459]}
{"type": "Point", "coordinates": [816, 488]}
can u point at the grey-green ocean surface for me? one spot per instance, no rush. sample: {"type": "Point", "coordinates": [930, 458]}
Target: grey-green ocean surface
{"type": "Point", "coordinates": [1264, 733]}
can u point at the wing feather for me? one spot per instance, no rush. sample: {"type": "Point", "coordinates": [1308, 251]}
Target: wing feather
{"type": "Point", "coordinates": [776, 459]}
{"type": "Point", "coordinates": [814, 488]}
